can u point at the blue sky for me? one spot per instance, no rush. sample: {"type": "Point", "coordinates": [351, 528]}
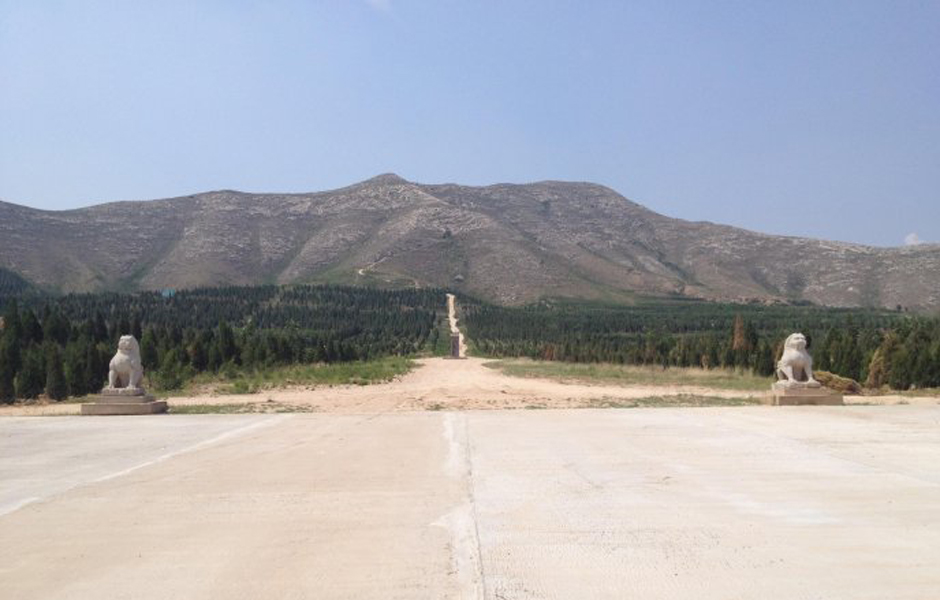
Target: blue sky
{"type": "Point", "coordinates": [819, 119]}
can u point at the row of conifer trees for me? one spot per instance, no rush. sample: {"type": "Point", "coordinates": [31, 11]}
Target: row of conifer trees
{"type": "Point", "coordinates": [62, 346]}
{"type": "Point", "coordinates": [877, 348]}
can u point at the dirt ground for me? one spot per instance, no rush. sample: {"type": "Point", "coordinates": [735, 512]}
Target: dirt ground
{"type": "Point", "coordinates": [452, 320]}
{"type": "Point", "coordinates": [446, 384]}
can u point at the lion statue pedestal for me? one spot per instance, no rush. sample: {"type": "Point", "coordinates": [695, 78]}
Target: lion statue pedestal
{"type": "Point", "coordinates": [795, 384]}
{"type": "Point", "coordinates": [124, 394]}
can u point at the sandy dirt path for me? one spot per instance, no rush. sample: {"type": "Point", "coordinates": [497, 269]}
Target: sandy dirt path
{"type": "Point", "coordinates": [452, 317]}
{"type": "Point", "coordinates": [444, 384]}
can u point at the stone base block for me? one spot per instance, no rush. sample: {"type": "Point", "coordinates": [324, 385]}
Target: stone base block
{"type": "Point", "coordinates": [124, 405]}
{"type": "Point", "coordinates": [123, 392]}
{"type": "Point", "coordinates": [128, 408]}
{"type": "Point", "coordinates": [122, 399]}
{"type": "Point", "coordinates": [805, 396]}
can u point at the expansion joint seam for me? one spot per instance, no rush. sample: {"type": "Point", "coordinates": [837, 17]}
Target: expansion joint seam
{"type": "Point", "coordinates": [471, 495]}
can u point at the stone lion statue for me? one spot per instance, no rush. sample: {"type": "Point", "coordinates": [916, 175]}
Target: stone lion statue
{"type": "Point", "coordinates": [796, 365]}
{"type": "Point", "coordinates": [125, 369]}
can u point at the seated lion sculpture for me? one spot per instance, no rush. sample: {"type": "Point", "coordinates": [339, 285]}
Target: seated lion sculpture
{"type": "Point", "coordinates": [126, 370]}
{"type": "Point", "coordinates": [796, 365]}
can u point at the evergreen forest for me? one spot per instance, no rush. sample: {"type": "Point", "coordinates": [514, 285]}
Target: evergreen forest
{"type": "Point", "coordinates": [61, 346]}
{"type": "Point", "coordinates": [876, 347]}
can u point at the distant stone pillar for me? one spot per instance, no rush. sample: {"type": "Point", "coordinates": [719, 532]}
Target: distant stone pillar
{"type": "Point", "coordinates": [455, 346]}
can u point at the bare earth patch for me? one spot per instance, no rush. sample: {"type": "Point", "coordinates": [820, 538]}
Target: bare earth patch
{"type": "Point", "coordinates": [467, 384]}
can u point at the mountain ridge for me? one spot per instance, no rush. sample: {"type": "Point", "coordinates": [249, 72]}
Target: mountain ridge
{"type": "Point", "coordinates": [510, 243]}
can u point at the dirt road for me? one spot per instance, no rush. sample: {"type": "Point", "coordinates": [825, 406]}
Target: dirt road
{"type": "Point", "coordinates": [452, 317]}
{"type": "Point", "coordinates": [442, 384]}
{"type": "Point", "coordinates": [747, 503]}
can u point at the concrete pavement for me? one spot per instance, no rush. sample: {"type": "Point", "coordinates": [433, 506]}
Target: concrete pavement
{"type": "Point", "coordinates": [756, 502]}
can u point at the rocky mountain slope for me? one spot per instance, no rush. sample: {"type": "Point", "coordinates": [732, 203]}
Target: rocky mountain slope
{"type": "Point", "coordinates": [507, 243]}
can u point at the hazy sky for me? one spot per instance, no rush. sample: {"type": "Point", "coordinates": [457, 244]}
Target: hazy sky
{"type": "Point", "coordinates": [816, 118]}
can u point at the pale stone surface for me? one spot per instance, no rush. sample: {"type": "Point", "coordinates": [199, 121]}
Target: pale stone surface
{"type": "Point", "coordinates": [124, 395]}
{"type": "Point", "coordinates": [40, 459]}
{"type": "Point", "coordinates": [795, 394]}
{"type": "Point", "coordinates": [123, 392]}
{"type": "Point", "coordinates": [126, 370]}
{"type": "Point", "coordinates": [143, 407]}
{"type": "Point", "coordinates": [796, 385]}
{"type": "Point", "coordinates": [110, 403]}
{"type": "Point", "coordinates": [122, 399]}
{"type": "Point", "coordinates": [745, 503]}
{"type": "Point", "coordinates": [796, 365]}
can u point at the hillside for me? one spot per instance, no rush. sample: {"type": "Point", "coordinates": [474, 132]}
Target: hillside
{"type": "Point", "coordinates": [507, 243]}
{"type": "Point", "coordinates": [14, 286]}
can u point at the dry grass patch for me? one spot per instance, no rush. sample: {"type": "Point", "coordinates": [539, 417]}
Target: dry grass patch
{"type": "Point", "coordinates": [675, 401]}
{"type": "Point", "coordinates": [238, 409]}
{"type": "Point", "coordinates": [239, 381]}
{"type": "Point", "coordinates": [929, 392]}
{"type": "Point", "coordinates": [724, 379]}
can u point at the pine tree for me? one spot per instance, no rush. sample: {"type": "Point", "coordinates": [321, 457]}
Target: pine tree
{"type": "Point", "coordinates": [32, 330]}
{"type": "Point", "coordinates": [123, 327]}
{"type": "Point", "coordinates": [897, 362]}
{"type": "Point", "coordinates": [251, 350]}
{"type": "Point", "coordinates": [170, 376]}
{"type": "Point", "coordinates": [55, 327]}
{"type": "Point", "coordinates": [136, 329]}
{"type": "Point", "coordinates": [7, 373]}
{"type": "Point", "coordinates": [823, 357]}
{"type": "Point", "coordinates": [94, 378]}
{"type": "Point", "coordinates": [149, 356]}
{"type": "Point", "coordinates": [934, 373]}
{"type": "Point", "coordinates": [10, 354]}
{"type": "Point", "coordinates": [74, 366]}
{"type": "Point", "coordinates": [56, 388]}
{"type": "Point", "coordinates": [711, 358]}
{"type": "Point", "coordinates": [750, 336]}
{"type": "Point", "coordinates": [214, 358]}
{"type": "Point", "coordinates": [228, 350]}
{"type": "Point", "coordinates": [765, 360]}
{"type": "Point", "coordinates": [31, 379]}
{"type": "Point", "coordinates": [198, 356]}
{"type": "Point", "coordinates": [738, 338]}
{"type": "Point", "coordinates": [100, 330]}
{"type": "Point", "coordinates": [852, 353]}
{"type": "Point", "coordinates": [12, 325]}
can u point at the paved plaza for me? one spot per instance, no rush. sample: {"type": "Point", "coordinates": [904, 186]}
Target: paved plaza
{"type": "Point", "coordinates": [751, 502]}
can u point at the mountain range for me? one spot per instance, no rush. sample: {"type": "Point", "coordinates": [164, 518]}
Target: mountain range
{"type": "Point", "coordinates": [507, 243]}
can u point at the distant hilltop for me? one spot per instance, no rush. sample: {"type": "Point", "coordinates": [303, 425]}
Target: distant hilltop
{"type": "Point", "coordinates": [507, 243]}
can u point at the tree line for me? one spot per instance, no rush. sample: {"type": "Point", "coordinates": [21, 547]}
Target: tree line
{"type": "Point", "coordinates": [875, 347]}
{"type": "Point", "coordinates": [62, 346]}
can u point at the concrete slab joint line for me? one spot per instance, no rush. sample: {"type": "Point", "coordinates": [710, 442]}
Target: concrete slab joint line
{"type": "Point", "coordinates": [705, 503]}
{"type": "Point", "coordinates": [462, 520]}
{"type": "Point", "coordinates": [473, 505]}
